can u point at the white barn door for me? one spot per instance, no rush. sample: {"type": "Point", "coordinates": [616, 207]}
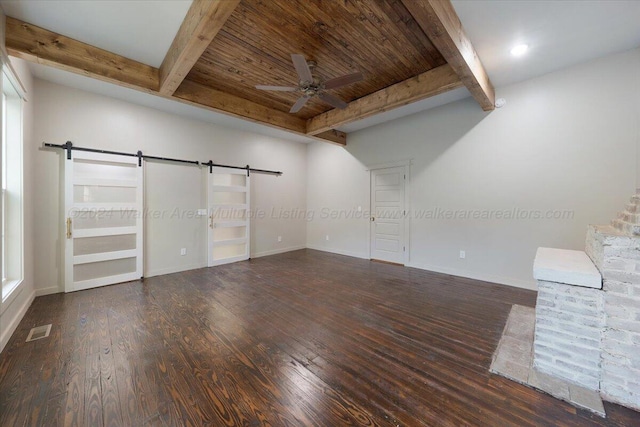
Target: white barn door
{"type": "Point", "coordinates": [228, 194]}
{"type": "Point", "coordinates": [103, 220]}
{"type": "Point", "coordinates": [388, 214]}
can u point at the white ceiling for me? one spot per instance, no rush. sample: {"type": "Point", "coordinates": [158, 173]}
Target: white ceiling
{"type": "Point", "coordinates": [138, 29]}
{"type": "Point", "coordinates": [560, 33]}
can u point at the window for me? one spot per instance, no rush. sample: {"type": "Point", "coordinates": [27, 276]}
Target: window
{"type": "Point", "coordinates": [4, 179]}
{"type": "Point", "coordinates": [12, 218]}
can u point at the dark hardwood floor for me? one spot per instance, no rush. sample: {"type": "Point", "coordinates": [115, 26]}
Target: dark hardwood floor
{"type": "Point", "coordinates": [299, 339]}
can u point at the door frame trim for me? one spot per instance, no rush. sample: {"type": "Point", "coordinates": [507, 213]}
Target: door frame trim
{"type": "Point", "coordinates": [407, 203]}
{"type": "Point", "coordinates": [386, 165]}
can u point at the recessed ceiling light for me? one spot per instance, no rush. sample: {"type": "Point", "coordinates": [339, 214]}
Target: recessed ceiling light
{"type": "Point", "coordinates": [520, 50]}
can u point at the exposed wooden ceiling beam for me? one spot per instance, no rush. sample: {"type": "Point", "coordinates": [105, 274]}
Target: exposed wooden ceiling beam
{"type": "Point", "coordinates": [203, 96]}
{"type": "Point", "coordinates": [430, 83]}
{"type": "Point", "coordinates": [199, 95]}
{"type": "Point", "coordinates": [201, 24]}
{"type": "Point", "coordinates": [439, 21]}
{"type": "Point", "coordinates": [215, 100]}
{"type": "Point", "coordinates": [334, 136]}
{"type": "Point", "coordinates": [42, 46]}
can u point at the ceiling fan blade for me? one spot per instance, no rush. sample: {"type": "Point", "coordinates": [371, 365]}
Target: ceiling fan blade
{"type": "Point", "coordinates": [278, 88]}
{"type": "Point", "coordinates": [302, 68]}
{"type": "Point", "coordinates": [299, 104]}
{"type": "Point", "coordinates": [333, 100]}
{"type": "Point", "coordinates": [343, 80]}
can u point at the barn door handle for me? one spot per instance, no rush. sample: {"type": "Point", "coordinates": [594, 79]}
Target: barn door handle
{"type": "Point", "coordinates": [69, 232]}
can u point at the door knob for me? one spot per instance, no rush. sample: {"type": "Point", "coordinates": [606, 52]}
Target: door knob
{"type": "Point", "coordinates": [373, 219]}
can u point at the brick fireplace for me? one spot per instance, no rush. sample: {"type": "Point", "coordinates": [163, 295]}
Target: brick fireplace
{"type": "Point", "coordinates": [587, 326]}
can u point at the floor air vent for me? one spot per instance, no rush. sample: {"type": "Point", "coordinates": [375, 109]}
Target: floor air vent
{"type": "Point", "coordinates": [39, 332]}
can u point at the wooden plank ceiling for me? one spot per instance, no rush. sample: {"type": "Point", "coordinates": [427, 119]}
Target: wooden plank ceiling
{"type": "Point", "coordinates": [407, 50]}
{"type": "Point", "coordinates": [255, 46]}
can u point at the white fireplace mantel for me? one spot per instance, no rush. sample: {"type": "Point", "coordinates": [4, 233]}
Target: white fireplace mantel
{"type": "Point", "coordinates": [566, 266]}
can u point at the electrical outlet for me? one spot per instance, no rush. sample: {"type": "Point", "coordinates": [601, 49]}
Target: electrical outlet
{"type": "Point", "coordinates": [326, 237]}
{"type": "Point", "coordinates": [279, 238]}
{"type": "Point", "coordinates": [183, 251]}
{"type": "Point", "coordinates": [463, 254]}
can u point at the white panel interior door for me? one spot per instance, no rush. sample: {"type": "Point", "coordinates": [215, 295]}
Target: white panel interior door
{"type": "Point", "coordinates": [388, 214]}
{"type": "Point", "coordinates": [104, 220]}
{"type": "Point", "coordinates": [228, 193]}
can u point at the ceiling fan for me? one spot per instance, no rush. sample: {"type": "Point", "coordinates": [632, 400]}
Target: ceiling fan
{"type": "Point", "coordinates": [311, 86]}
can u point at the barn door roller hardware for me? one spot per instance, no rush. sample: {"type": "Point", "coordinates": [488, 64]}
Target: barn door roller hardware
{"type": "Point", "coordinates": [247, 168]}
{"type": "Point", "coordinates": [68, 146]}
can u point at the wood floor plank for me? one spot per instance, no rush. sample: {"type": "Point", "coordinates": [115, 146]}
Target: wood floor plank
{"type": "Point", "coordinates": [133, 396]}
{"type": "Point", "coordinates": [50, 365]}
{"type": "Point", "coordinates": [225, 373]}
{"type": "Point", "coordinates": [255, 366]}
{"type": "Point", "coordinates": [75, 395]}
{"type": "Point", "coordinates": [112, 413]}
{"type": "Point", "coordinates": [93, 394]}
{"type": "Point", "coordinates": [55, 411]}
{"type": "Point", "coordinates": [303, 338]}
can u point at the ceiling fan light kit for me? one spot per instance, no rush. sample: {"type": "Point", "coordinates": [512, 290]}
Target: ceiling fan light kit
{"type": "Point", "coordinates": [311, 86]}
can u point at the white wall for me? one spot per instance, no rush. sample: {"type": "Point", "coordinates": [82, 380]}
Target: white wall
{"type": "Point", "coordinates": [564, 141]}
{"type": "Point", "coordinates": [15, 306]}
{"type": "Point", "coordinates": [100, 122]}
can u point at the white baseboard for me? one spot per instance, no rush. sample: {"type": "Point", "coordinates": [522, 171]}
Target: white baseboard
{"type": "Point", "coordinates": [509, 281]}
{"type": "Point", "coordinates": [13, 323]}
{"type": "Point", "coordinates": [277, 251]}
{"type": "Point", "coordinates": [339, 252]}
{"type": "Point", "coordinates": [47, 291]}
{"type": "Point", "coordinates": [501, 280]}
{"type": "Point", "coordinates": [171, 270]}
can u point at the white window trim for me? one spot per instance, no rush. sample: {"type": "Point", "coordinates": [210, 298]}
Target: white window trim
{"type": "Point", "coordinates": [11, 288]}
{"type": "Point", "coordinates": [13, 77]}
